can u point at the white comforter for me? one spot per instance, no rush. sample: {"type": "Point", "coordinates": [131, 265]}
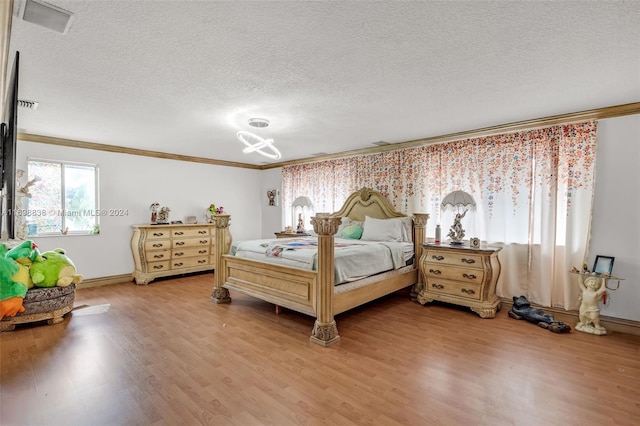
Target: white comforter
{"type": "Point", "coordinates": [354, 259]}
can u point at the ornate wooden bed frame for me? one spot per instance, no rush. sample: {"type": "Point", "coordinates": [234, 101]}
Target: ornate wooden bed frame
{"type": "Point", "coordinates": [312, 292]}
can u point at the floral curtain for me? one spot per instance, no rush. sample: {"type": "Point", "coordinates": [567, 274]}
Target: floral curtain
{"type": "Point", "coordinates": [533, 190]}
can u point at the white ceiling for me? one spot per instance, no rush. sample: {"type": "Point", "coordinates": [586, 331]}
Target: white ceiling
{"type": "Point", "coordinates": [183, 77]}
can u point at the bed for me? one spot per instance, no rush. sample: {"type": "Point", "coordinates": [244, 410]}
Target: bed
{"type": "Point", "coordinates": [314, 291]}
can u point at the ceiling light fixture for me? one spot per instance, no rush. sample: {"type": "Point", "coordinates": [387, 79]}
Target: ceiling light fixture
{"type": "Point", "coordinates": [255, 143]}
{"type": "Point", "coordinates": [258, 122]}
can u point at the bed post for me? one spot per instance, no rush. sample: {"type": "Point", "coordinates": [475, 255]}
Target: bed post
{"type": "Point", "coordinates": [419, 227]}
{"type": "Point", "coordinates": [220, 294]}
{"type": "Point", "coordinates": [325, 331]}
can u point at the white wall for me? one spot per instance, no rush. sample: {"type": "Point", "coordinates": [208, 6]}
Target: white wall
{"type": "Point", "coordinates": [133, 183]}
{"type": "Point", "coordinates": [615, 229]}
{"type": "Point", "coordinates": [272, 216]}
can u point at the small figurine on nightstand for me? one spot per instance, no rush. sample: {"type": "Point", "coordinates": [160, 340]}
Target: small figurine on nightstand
{"type": "Point", "coordinates": [593, 289]}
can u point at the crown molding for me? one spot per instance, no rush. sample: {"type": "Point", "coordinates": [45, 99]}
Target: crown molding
{"type": "Point", "coordinates": [592, 114]}
{"type": "Point", "coordinates": [30, 137]}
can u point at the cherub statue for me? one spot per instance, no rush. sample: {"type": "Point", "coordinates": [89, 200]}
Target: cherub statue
{"type": "Point", "coordinates": [456, 233]}
{"type": "Point", "coordinates": [593, 288]}
{"type": "Point", "coordinates": [300, 227]}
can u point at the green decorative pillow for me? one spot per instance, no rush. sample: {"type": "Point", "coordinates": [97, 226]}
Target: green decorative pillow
{"type": "Point", "coordinates": [353, 232]}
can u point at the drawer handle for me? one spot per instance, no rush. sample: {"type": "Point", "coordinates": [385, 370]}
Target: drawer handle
{"type": "Point", "coordinates": [202, 261]}
{"type": "Point", "coordinates": [158, 234]}
{"type": "Point", "coordinates": [180, 243]}
{"type": "Point", "coordinates": [469, 276]}
{"type": "Point", "coordinates": [158, 256]}
{"type": "Point", "coordinates": [435, 271]}
{"type": "Point", "coordinates": [438, 286]}
{"type": "Point", "coordinates": [437, 257]}
{"type": "Point", "coordinates": [464, 290]}
{"type": "Point", "coordinates": [178, 233]}
{"type": "Point", "coordinates": [158, 245]}
{"type": "Point", "coordinates": [463, 260]}
{"type": "Point", "coordinates": [179, 254]}
{"type": "Point", "coordinates": [202, 252]}
{"type": "Point", "coordinates": [202, 232]}
{"type": "Point", "coordinates": [158, 267]}
{"type": "Point", "coordinates": [178, 264]}
{"type": "Point", "coordinates": [204, 241]}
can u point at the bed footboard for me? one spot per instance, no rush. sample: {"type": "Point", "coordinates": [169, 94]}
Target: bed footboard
{"type": "Point", "coordinates": [292, 288]}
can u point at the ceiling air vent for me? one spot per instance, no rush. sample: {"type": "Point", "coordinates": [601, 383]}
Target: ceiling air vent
{"type": "Point", "coordinates": [47, 15]}
{"type": "Point", "coordinates": [28, 104]}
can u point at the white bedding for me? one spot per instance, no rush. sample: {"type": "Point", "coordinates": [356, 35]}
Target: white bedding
{"type": "Point", "coordinates": [354, 259]}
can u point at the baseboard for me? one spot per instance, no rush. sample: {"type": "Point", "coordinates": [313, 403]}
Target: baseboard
{"type": "Point", "coordinates": [571, 317]}
{"type": "Point", "coordinates": [102, 281]}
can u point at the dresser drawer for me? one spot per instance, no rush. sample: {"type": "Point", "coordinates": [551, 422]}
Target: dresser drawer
{"type": "Point", "coordinates": [159, 233]}
{"type": "Point", "coordinates": [157, 245]}
{"type": "Point", "coordinates": [456, 273]}
{"type": "Point", "coordinates": [460, 259]}
{"type": "Point", "coordinates": [158, 266]}
{"type": "Point", "coordinates": [455, 288]}
{"type": "Point", "coordinates": [156, 256]}
{"type": "Point", "coordinates": [186, 233]}
{"type": "Point", "coordinates": [190, 252]}
{"type": "Point", "coordinates": [189, 262]}
{"type": "Point", "coordinates": [191, 242]}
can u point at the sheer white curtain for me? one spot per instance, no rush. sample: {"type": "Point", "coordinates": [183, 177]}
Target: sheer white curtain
{"type": "Point", "coordinates": [533, 191]}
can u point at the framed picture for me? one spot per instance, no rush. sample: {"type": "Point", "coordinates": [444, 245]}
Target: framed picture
{"type": "Point", "coordinates": [603, 265]}
{"type": "Point", "coordinates": [272, 198]}
{"type": "Point", "coordinates": [474, 242]}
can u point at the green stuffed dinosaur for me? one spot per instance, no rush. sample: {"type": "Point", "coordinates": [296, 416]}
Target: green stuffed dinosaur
{"type": "Point", "coordinates": [55, 269]}
{"type": "Point", "coordinates": [24, 254]}
{"type": "Point", "coordinates": [12, 292]}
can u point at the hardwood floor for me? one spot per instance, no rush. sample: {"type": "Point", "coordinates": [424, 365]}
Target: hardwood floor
{"type": "Point", "coordinates": [163, 354]}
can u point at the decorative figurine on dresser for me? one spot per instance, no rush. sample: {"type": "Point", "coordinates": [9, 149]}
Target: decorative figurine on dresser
{"type": "Point", "coordinates": [461, 275]}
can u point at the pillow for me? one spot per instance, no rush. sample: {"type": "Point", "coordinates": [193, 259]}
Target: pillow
{"type": "Point", "coordinates": [346, 221]}
{"type": "Point", "coordinates": [353, 231]}
{"type": "Point", "coordinates": [407, 229]}
{"type": "Point", "coordinates": [382, 229]}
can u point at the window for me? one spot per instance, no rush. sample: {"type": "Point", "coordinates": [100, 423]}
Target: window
{"type": "Point", "coordinates": [64, 198]}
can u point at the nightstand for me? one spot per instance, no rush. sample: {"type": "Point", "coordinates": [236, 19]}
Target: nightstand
{"type": "Point", "coordinates": [461, 275]}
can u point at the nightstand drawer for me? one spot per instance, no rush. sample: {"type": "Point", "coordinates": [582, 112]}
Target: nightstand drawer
{"type": "Point", "coordinates": [455, 288]}
{"type": "Point", "coordinates": [465, 275]}
{"type": "Point", "coordinates": [459, 259]}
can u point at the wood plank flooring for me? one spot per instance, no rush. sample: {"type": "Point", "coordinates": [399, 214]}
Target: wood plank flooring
{"type": "Point", "coordinates": [163, 354]}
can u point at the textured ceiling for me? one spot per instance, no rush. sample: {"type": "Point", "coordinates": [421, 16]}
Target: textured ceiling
{"type": "Point", "coordinates": [183, 77]}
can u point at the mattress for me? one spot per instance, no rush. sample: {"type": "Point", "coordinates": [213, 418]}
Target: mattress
{"type": "Point", "coordinates": [354, 259]}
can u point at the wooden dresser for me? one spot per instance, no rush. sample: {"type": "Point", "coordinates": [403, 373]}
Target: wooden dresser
{"type": "Point", "coordinates": [461, 275]}
{"type": "Point", "coordinates": [165, 250]}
